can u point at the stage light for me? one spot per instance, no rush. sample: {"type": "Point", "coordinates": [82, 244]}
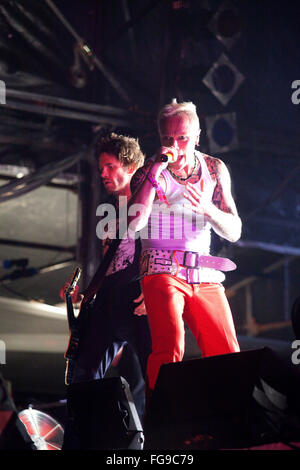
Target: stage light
{"type": "Point", "coordinates": [221, 131]}
{"type": "Point", "coordinates": [223, 79]}
{"type": "Point", "coordinates": [225, 24]}
{"type": "Point", "coordinates": [179, 4]}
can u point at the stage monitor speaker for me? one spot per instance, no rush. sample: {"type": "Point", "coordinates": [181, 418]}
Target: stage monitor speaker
{"type": "Point", "coordinates": [103, 416]}
{"type": "Point", "coordinates": [203, 403]}
{"type": "Point", "coordinates": [13, 434]}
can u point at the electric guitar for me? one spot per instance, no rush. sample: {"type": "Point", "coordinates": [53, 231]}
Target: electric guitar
{"type": "Point", "coordinates": [75, 324]}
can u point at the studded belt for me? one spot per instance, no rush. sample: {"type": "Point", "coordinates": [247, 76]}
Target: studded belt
{"type": "Point", "coordinates": [188, 265]}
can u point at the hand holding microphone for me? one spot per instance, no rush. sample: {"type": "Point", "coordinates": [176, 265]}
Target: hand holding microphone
{"type": "Point", "coordinates": [168, 154]}
{"type": "Point", "coordinates": [164, 156]}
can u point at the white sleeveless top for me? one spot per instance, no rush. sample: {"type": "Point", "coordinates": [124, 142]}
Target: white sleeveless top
{"type": "Point", "coordinates": [177, 227]}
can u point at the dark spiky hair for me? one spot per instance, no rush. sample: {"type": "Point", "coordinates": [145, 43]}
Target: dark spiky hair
{"type": "Point", "coordinates": [126, 149]}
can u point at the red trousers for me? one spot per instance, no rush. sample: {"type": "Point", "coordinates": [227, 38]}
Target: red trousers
{"type": "Point", "coordinates": [170, 302]}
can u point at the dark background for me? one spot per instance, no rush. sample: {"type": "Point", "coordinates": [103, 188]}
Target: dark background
{"type": "Point", "coordinates": [148, 52]}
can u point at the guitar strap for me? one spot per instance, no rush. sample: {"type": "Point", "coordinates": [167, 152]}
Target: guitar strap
{"type": "Point", "coordinates": [99, 275]}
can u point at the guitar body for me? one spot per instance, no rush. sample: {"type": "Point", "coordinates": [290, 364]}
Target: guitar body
{"type": "Point", "coordinates": [76, 325]}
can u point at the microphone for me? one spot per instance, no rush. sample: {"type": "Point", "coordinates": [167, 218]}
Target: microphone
{"type": "Point", "coordinates": [170, 155]}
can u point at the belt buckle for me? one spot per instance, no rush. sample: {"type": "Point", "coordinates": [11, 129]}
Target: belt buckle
{"type": "Point", "coordinates": [190, 279]}
{"type": "Point", "coordinates": [188, 253]}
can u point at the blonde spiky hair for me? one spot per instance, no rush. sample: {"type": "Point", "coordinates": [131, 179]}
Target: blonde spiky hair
{"type": "Point", "coordinates": [174, 109]}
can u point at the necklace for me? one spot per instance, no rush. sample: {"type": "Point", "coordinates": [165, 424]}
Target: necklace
{"type": "Point", "coordinates": [188, 177]}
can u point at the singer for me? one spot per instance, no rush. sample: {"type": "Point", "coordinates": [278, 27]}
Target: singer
{"type": "Point", "coordinates": [178, 286]}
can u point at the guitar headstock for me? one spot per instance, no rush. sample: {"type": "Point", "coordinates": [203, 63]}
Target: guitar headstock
{"type": "Point", "coordinates": [72, 284]}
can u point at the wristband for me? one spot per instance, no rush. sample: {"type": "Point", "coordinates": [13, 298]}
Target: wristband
{"type": "Point", "coordinates": [159, 191]}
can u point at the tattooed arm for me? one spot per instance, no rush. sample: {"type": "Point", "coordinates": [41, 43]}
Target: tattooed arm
{"type": "Point", "coordinates": [143, 194]}
{"type": "Point", "coordinates": [224, 217]}
{"type": "Point", "coordinates": [139, 177]}
{"type": "Point", "coordinates": [221, 212]}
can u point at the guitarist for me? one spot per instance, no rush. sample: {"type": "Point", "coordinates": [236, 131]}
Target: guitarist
{"type": "Point", "coordinates": [116, 328]}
